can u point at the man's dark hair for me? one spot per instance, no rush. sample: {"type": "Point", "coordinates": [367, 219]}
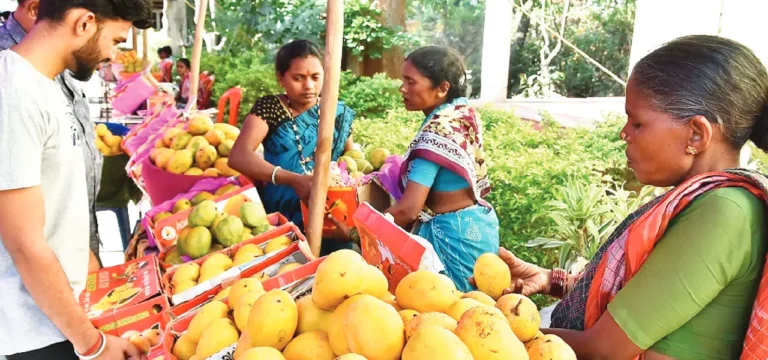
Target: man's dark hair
{"type": "Point", "coordinates": [138, 12]}
{"type": "Point", "coordinates": [165, 50]}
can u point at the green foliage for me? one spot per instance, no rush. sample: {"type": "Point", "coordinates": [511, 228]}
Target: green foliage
{"type": "Point", "coordinates": [370, 96]}
{"type": "Point", "coordinates": [249, 70]}
{"type": "Point", "coordinates": [583, 216]}
{"type": "Point", "coordinates": [364, 35]}
{"type": "Point", "coordinates": [527, 167]}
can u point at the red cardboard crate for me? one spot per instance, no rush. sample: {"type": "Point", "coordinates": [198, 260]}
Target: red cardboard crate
{"type": "Point", "coordinates": [247, 269]}
{"type": "Point", "coordinates": [149, 318]}
{"type": "Point", "coordinates": [166, 231]}
{"type": "Point", "coordinates": [121, 286]}
{"type": "Point", "coordinates": [291, 280]}
{"type": "Point", "coordinates": [386, 245]}
{"type": "Point", "coordinates": [277, 220]}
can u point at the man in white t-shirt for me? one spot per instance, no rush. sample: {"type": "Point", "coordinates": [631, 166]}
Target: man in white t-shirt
{"type": "Point", "coordinates": [44, 220]}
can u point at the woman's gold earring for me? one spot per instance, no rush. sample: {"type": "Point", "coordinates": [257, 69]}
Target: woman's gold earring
{"type": "Point", "coordinates": [690, 150]}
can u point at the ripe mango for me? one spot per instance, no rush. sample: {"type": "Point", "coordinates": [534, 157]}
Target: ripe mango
{"type": "Point", "coordinates": [243, 306]}
{"type": "Point", "coordinates": [193, 171]}
{"type": "Point", "coordinates": [407, 316]}
{"type": "Point", "coordinates": [229, 231]}
{"type": "Point", "coordinates": [230, 132]}
{"type": "Point", "coordinates": [225, 147]}
{"type": "Point", "coordinates": [253, 214]}
{"type": "Point", "coordinates": [234, 204]}
{"type": "Point", "coordinates": [186, 272]}
{"type": "Point", "coordinates": [199, 124]}
{"type": "Point", "coordinates": [262, 353]}
{"type": "Point", "coordinates": [211, 172]}
{"type": "Point", "coordinates": [351, 356]}
{"type": "Point", "coordinates": [287, 267]}
{"type": "Point", "coordinates": [214, 265]}
{"type": "Point", "coordinates": [203, 214]}
{"type": "Point", "coordinates": [312, 345]}
{"type": "Point", "coordinates": [181, 205]}
{"type": "Point", "coordinates": [163, 157]}
{"type": "Point", "coordinates": [219, 335]}
{"type": "Point", "coordinates": [530, 343]}
{"type": "Point", "coordinates": [209, 313]}
{"type": "Point", "coordinates": [245, 255]}
{"type": "Point", "coordinates": [487, 334]}
{"type": "Point", "coordinates": [492, 275]}
{"type": "Point", "coordinates": [278, 243]}
{"type": "Point", "coordinates": [312, 318]}
{"type": "Point", "coordinates": [223, 294]}
{"type": "Point", "coordinates": [243, 345]}
{"type": "Point", "coordinates": [434, 342]}
{"type": "Point", "coordinates": [180, 141]}
{"type": "Point", "coordinates": [214, 137]}
{"type": "Point", "coordinates": [460, 306]}
{"type": "Point", "coordinates": [242, 287]}
{"type": "Point", "coordinates": [182, 286]}
{"type": "Point", "coordinates": [184, 348]}
{"type": "Point", "coordinates": [201, 196]}
{"type": "Point", "coordinates": [160, 216]}
{"type": "Point", "coordinates": [273, 320]}
{"type": "Point", "coordinates": [205, 157]}
{"type": "Point", "coordinates": [551, 347]}
{"type": "Point", "coordinates": [196, 143]}
{"type": "Point", "coordinates": [342, 275]}
{"type": "Point", "coordinates": [480, 296]}
{"type": "Point", "coordinates": [219, 217]}
{"type": "Point", "coordinates": [522, 315]}
{"type": "Point", "coordinates": [169, 134]}
{"type": "Point", "coordinates": [180, 162]}
{"type": "Point", "coordinates": [425, 291]}
{"type": "Point", "coordinates": [196, 243]}
{"type": "Point", "coordinates": [226, 189]}
{"type": "Point", "coordinates": [338, 323]}
{"type": "Point", "coordinates": [429, 319]}
{"type": "Point", "coordinates": [223, 167]}
{"type": "Point", "coordinates": [374, 329]}
{"type": "Point", "coordinates": [378, 285]}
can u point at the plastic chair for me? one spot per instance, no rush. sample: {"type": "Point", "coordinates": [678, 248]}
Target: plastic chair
{"type": "Point", "coordinates": [234, 95]}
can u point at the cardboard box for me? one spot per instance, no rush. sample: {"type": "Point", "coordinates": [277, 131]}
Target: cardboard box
{"type": "Point", "coordinates": [297, 282]}
{"type": "Point", "coordinates": [166, 231]}
{"type": "Point", "coordinates": [149, 318]}
{"type": "Point", "coordinates": [121, 286]}
{"type": "Point", "coordinates": [387, 246]}
{"type": "Point", "coordinates": [245, 270]}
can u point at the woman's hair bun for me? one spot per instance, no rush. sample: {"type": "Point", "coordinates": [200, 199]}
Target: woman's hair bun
{"type": "Point", "coordinates": [759, 134]}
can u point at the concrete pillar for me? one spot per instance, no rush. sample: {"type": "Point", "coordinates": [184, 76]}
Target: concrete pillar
{"type": "Point", "coordinates": [497, 37]}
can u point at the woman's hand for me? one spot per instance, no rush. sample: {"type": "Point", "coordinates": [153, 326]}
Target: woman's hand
{"type": "Point", "coordinates": [342, 230]}
{"type": "Point", "coordinates": [302, 184]}
{"type": "Point", "coordinates": [527, 279]}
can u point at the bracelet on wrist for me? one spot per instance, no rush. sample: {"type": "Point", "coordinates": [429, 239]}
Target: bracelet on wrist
{"type": "Point", "coordinates": [274, 175]}
{"type": "Point", "coordinates": [100, 345]}
{"type": "Point", "coordinates": [558, 283]}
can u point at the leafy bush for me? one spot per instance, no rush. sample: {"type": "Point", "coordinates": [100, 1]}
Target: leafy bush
{"type": "Point", "coordinates": [527, 167]}
{"type": "Point", "coordinates": [370, 96]}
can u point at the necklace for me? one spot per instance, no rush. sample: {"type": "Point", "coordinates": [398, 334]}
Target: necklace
{"type": "Point", "coordinates": [303, 161]}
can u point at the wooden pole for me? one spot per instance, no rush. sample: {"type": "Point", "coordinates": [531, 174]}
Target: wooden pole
{"type": "Point", "coordinates": [144, 47]}
{"type": "Point", "coordinates": [328, 102]}
{"type": "Point", "coordinates": [134, 39]}
{"type": "Point", "coordinates": [197, 50]}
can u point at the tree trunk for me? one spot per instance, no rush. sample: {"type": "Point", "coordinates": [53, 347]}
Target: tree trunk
{"type": "Point", "coordinates": [393, 58]}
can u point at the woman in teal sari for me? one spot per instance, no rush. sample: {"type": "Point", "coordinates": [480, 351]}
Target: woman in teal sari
{"type": "Point", "coordinates": [444, 177]}
{"type": "Point", "coordinates": [287, 127]}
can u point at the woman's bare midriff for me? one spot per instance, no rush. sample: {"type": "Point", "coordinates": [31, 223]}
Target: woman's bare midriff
{"type": "Point", "coordinates": [447, 202]}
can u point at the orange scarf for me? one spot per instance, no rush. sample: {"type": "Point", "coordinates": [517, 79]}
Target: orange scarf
{"type": "Point", "coordinates": [637, 242]}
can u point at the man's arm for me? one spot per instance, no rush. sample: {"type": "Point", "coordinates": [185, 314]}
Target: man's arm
{"type": "Point", "coordinates": [38, 266]}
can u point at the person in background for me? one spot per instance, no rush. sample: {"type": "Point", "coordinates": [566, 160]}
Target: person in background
{"type": "Point", "coordinates": [165, 54]}
{"type": "Point", "coordinates": [183, 69]}
{"type": "Point", "coordinates": [11, 33]}
{"type": "Point", "coordinates": [684, 276]}
{"type": "Point", "coordinates": [444, 177]}
{"type": "Point", "coordinates": [286, 125]}
{"type": "Point", "coordinates": [4, 16]}
{"type": "Point", "coordinates": [43, 191]}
